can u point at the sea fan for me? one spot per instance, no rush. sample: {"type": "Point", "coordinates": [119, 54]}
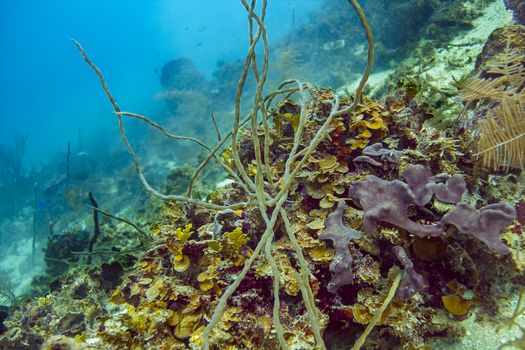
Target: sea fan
{"type": "Point", "coordinates": [510, 69]}
{"type": "Point", "coordinates": [507, 75]}
{"type": "Point", "coordinates": [498, 90]}
{"type": "Point", "coordinates": [475, 88]}
{"type": "Point", "coordinates": [288, 59]}
{"type": "Point", "coordinates": [502, 139]}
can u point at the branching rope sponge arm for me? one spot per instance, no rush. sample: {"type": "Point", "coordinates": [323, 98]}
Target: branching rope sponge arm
{"type": "Point", "coordinates": [368, 69]}
{"type": "Point", "coordinates": [270, 208]}
{"type": "Point", "coordinates": [391, 294]}
{"type": "Point", "coordinates": [136, 161]}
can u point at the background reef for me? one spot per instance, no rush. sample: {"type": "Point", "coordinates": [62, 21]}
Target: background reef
{"type": "Point", "coordinates": [410, 213]}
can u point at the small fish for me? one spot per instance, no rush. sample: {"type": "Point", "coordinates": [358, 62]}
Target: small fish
{"type": "Point", "coordinates": [42, 203]}
{"type": "Point", "coordinates": [442, 10]}
{"type": "Point", "coordinates": [334, 45]}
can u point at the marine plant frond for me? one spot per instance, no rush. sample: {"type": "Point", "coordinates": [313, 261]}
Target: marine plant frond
{"type": "Point", "coordinates": [476, 88]}
{"type": "Point", "coordinates": [287, 60]}
{"type": "Point", "coordinates": [503, 75]}
{"type": "Point", "coordinates": [510, 67]}
{"type": "Point", "coordinates": [288, 56]}
{"type": "Point", "coordinates": [502, 137]}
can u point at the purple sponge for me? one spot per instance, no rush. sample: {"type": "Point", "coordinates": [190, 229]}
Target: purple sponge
{"type": "Point", "coordinates": [388, 201]}
{"type": "Point", "coordinates": [340, 235]}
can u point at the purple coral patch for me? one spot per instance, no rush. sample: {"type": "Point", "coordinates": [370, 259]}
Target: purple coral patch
{"type": "Point", "coordinates": [340, 235]}
{"type": "Point", "coordinates": [388, 201]}
{"type": "Point", "coordinates": [366, 159]}
{"type": "Point", "coordinates": [424, 185]}
{"type": "Point", "coordinates": [411, 282]}
{"type": "Point", "coordinates": [390, 155]}
{"type": "Point", "coordinates": [485, 224]}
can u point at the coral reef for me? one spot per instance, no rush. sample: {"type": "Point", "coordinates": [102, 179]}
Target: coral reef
{"type": "Point", "coordinates": [430, 72]}
{"type": "Point", "coordinates": [280, 256]}
{"type": "Point", "coordinates": [330, 52]}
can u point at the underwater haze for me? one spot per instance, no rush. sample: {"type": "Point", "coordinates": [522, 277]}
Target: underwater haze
{"type": "Point", "coordinates": [45, 91]}
{"type": "Point", "coordinates": [262, 174]}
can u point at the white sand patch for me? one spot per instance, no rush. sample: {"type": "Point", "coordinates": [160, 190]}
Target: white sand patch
{"type": "Point", "coordinates": [458, 58]}
{"type": "Point", "coordinates": [376, 81]}
{"type": "Point", "coordinates": [17, 267]}
{"type": "Point", "coordinates": [485, 335]}
{"type": "Point", "coordinates": [454, 60]}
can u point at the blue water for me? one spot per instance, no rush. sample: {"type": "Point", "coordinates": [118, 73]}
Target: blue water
{"type": "Point", "coordinates": [49, 97]}
{"type": "Point", "coordinates": [48, 92]}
